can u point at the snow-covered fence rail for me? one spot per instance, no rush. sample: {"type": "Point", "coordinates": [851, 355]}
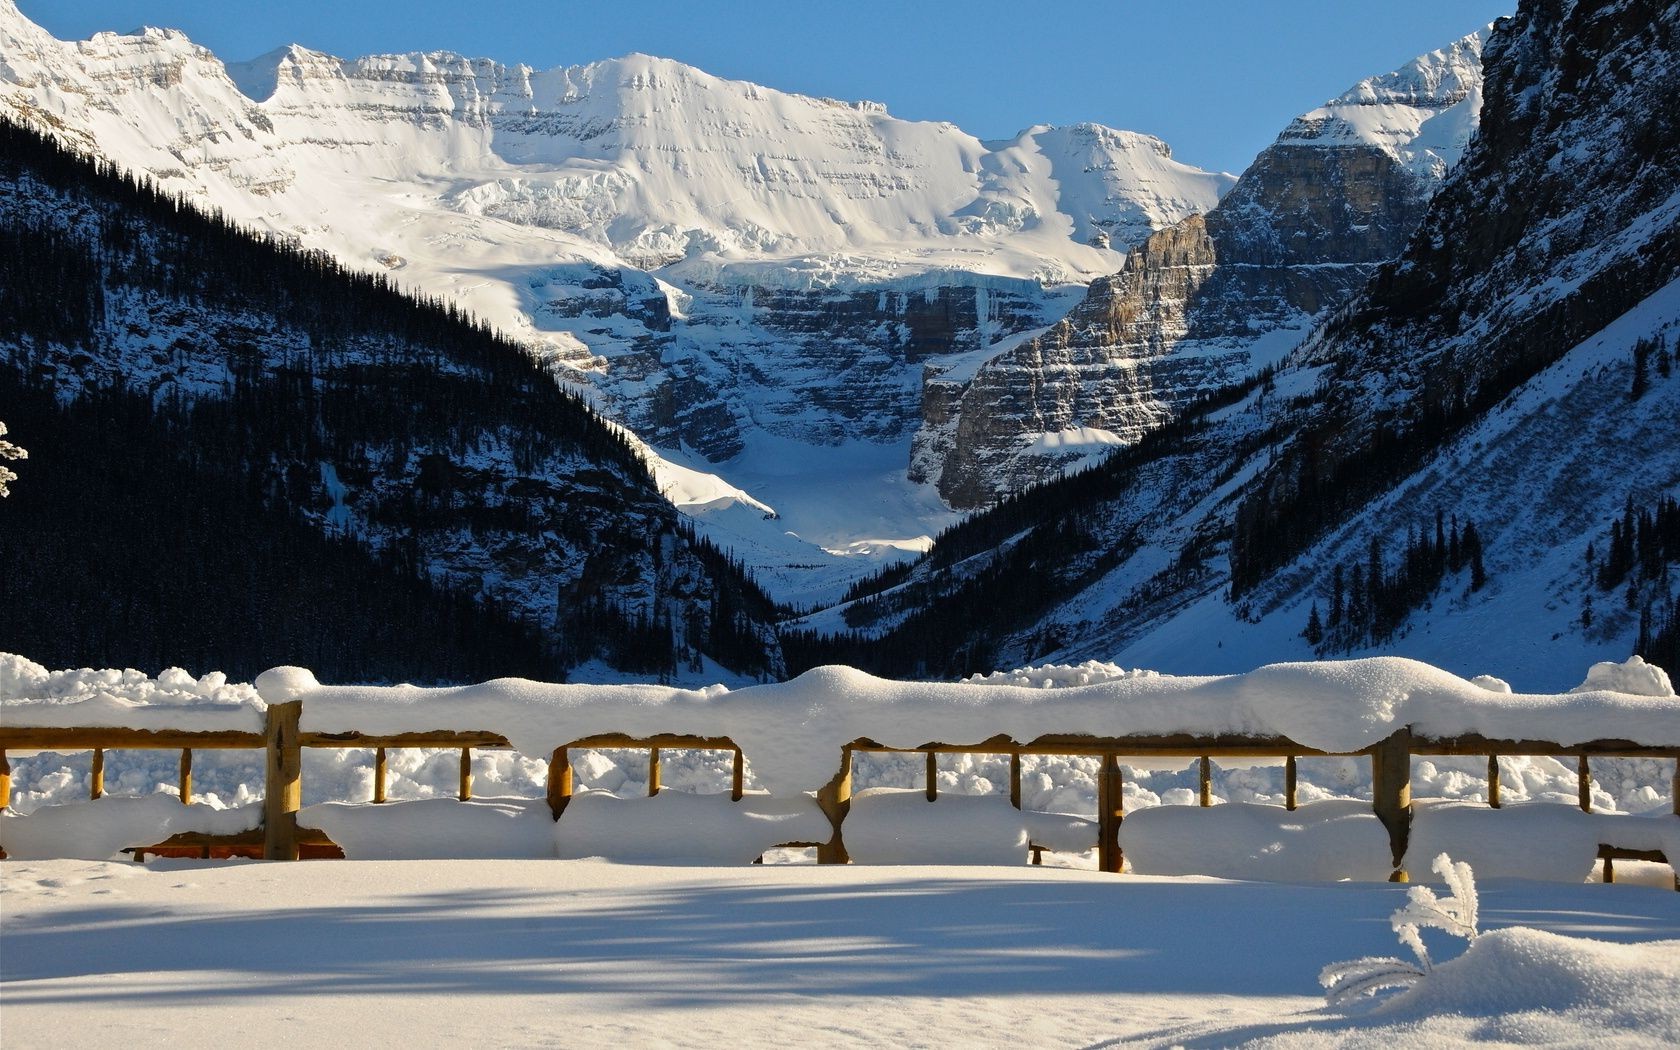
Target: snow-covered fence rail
{"type": "Point", "coordinates": [793, 733]}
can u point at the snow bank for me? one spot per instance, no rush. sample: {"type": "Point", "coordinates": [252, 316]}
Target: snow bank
{"type": "Point", "coordinates": [677, 828]}
{"type": "Point", "coordinates": [1559, 989]}
{"type": "Point", "coordinates": [1635, 676]}
{"type": "Point", "coordinates": [887, 826]}
{"type": "Point", "coordinates": [102, 829]}
{"type": "Point", "coordinates": [1319, 842]}
{"type": "Point", "coordinates": [1062, 832]}
{"type": "Point", "coordinates": [30, 695]}
{"type": "Point", "coordinates": [436, 828]}
{"type": "Point", "coordinates": [793, 731]}
{"type": "Point", "coordinates": [1557, 843]}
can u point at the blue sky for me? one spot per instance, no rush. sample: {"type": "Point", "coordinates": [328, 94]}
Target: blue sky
{"type": "Point", "coordinates": [1218, 79]}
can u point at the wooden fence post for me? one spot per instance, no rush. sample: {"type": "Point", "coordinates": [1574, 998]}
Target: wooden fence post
{"type": "Point", "coordinates": [465, 791]}
{"type": "Point", "coordinates": [1015, 779]}
{"type": "Point", "coordinates": [96, 775]}
{"type": "Point", "coordinates": [1583, 785]}
{"type": "Point", "coordinates": [738, 776]}
{"type": "Point", "coordinates": [1391, 794]}
{"type": "Point", "coordinates": [5, 780]}
{"type": "Point", "coordinates": [559, 781]}
{"type": "Point", "coordinates": [283, 792]}
{"type": "Point", "coordinates": [1205, 779]}
{"type": "Point", "coordinates": [1493, 781]}
{"type": "Point", "coordinates": [835, 798]}
{"type": "Point", "coordinates": [653, 771]}
{"type": "Point", "coordinates": [186, 776]}
{"type": "Point", "coordinates": [1291, 778]}
{"type": "Point", "coordinates": [379, 774]}
{"type": "Point", "coordinates": [932, 775]}
{"type": "Point", "coordinates": [1110, 812]}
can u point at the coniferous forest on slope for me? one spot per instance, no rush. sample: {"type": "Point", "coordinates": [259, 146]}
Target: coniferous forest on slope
{"type": "Point", "coordinates": [167, 523]}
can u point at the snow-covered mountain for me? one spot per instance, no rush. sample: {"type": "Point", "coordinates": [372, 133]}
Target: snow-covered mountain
{"type": "Point", "coordinates": [741, 275]}
{"type": "Point", "coordinates": [1512, 371]}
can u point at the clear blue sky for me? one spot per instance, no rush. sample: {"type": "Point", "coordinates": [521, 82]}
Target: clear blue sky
{"type": "Point", "coordinates": [1218, 79]}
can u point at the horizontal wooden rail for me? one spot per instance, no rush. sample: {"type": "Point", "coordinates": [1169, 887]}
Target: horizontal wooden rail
{"type": "Point", "coordinates": [43, 738]}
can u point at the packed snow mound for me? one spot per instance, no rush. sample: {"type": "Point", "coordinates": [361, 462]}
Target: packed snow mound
{"type": "Point", "coordinates": [675, 827]}
{"type": "Point", "coordinates": [1633, 676]}
{"type": "Point", "coordinates": [436, 828]}
{"type": "Point", "coordinates": [1547, 841]}
{"type": "Point", "coordinates": [1553, 985]}
{"type": "Point", "coordinates": [1319, 842]}
{"type": "Point", "coordinates": [887, 826]}
{"type": "Point", "coordinates": [30, 695]}
{"type": "Point", "coordinates": [103, 829]}
{"type": "Point", "coordinates": [1055, 676]}
{"type": "Point", "coordinates": [279, 685]}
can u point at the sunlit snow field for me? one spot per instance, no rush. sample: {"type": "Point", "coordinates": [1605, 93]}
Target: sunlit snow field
{"type": "Point", "coordinates": [585, 953]}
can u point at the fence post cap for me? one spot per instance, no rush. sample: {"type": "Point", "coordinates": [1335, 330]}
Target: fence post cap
{"type": "Point", "coordinates": [278, 685]}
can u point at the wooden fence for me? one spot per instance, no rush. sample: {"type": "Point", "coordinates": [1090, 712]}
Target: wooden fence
{"type": "Point", "coordinates": [281, 838]}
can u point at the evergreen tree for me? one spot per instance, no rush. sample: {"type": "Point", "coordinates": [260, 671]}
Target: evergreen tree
{"type": "Point", "coordinates": [1315, 630]}
{"type": "Point", "coordinates": [1473, 549]}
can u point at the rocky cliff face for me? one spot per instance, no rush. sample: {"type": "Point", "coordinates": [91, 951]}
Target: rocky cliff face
{"type": "Point", "coordinates": [1212, 300]}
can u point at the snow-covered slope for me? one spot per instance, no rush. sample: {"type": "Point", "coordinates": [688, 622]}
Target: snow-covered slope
{"type": "Point", "coordinates": [717, 261]}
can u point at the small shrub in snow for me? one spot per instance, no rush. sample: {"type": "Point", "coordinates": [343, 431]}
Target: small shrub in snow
{"type": "Point", "coordinates": [1457, 914]}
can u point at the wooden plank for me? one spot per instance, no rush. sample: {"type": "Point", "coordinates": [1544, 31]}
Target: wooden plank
{"type": "Point", "coordinates": [1110, 812]}
{"type": "Point", "coordinates": [1493, 781]}
{"type": "Point", "coordinates": [36, 738]}
{"type": "Point", "coordinates": [1175, 745]}
{"type": "Point", "coordinates": [1205, 780]}
{"type": "Point", "coordinates": [559, 781]}
{"type": "Point", "coordinates": [1291, 779]}
{"type": "Point", "coordinates": [1391, 789]}
{"type": "Point", "coordinates": [426, 739]}
{"type": "Point", "coordinates": [653, 772]}
{"type": "Point", "coordinates": [1474, 744]}
{"type": "Point", "coordinates": [1015, 779]}
{"type": "Point", "coordinates": [465, 792]}
{"type": "Point", "coordinates": [738, 776]}
{"type": "Point", "coordinates": [381, 774]}
{"type": "Point", "coordinates": [673, 741]}
{"type": "Point", "coordinates": [1583, 785]}
{"type": "Point", "coordinates": [283, 792]}
{"type": "Point", "coordinates": [835, 798]}
{"type": "Point", "coordinates": [96, 774]}
{"type": "Point", "coordinates": [932, 775]}
{"type": "Point", "coordinates": [186, 776]}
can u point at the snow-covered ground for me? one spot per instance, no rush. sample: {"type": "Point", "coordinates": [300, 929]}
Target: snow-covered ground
{"type": "Point", "coordinates": [586, 953]}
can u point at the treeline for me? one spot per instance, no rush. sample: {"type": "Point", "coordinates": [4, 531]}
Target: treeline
{"type": "Point", "coordinates": [1370, 600]}
{"type": "Point", "coordinates": [1643, 544]}
{"type": "Point", "coordinates": [125, 550]}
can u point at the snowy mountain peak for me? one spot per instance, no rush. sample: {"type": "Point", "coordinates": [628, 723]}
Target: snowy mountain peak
{"type": "Point", "coordinates": [1421, 114]}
